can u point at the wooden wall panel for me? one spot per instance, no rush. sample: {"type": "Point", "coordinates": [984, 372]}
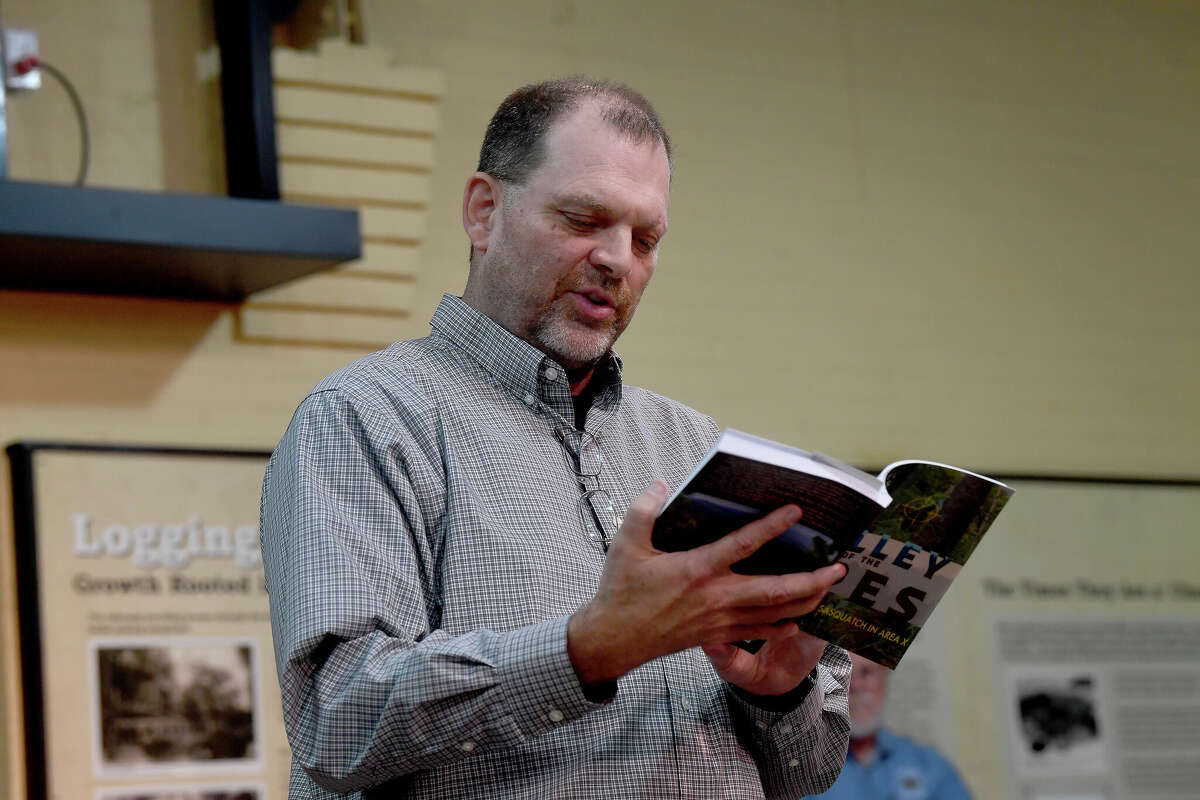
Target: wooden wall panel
{"type": "Point", "coordinates": [352, 130]}
{"type": "Point", "coordinates": [299, 143]}
{"type": "Point", "coordinates": [365, 185]}
{"type": "Point", "coordinates": [356, 68]}
{"type": "Point", "coordinates": [356, 111]}
{"type": "Point", "coordinates": [304, 328]}
{"type": "Point", "coordinates": [381, 258]}
{"type": "Point", "coordinates": [346, 292]}
{"type": "Point", "coordinates": [395, 225]}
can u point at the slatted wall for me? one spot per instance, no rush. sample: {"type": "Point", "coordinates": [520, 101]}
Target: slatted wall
{"type": "Point", "coordinates": [352, 130]}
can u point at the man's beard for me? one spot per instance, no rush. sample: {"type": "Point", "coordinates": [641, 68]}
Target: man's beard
{"type": "Point", "coordinates": [573, 343]}
{"type": "Point", "coordinates": [864, 728]}
{"type": "Point", "coordinates": [866, 713]}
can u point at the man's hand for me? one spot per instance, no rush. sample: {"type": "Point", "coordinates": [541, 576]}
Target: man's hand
{"type": "Point", "coordinates": [650, 603]}
{"type": "Point", "coordinates": [775, 668]}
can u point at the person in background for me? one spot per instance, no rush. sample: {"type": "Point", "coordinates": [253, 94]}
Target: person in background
{"type": "Point", "coordinates": [465, 601]}
{"type": "Point", "coordinates": [883, 765]}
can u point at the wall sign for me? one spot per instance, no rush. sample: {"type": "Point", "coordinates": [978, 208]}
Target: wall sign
{"type": "Point", "coordinates": [147, 666]}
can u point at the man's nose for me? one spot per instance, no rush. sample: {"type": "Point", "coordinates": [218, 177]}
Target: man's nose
{"type": "Point", "coordinates": [613, 252]}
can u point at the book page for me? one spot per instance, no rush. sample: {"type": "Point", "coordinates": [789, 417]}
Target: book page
{"type": "Point", "coordinates": [756, 448]}
{"type": "Point", "coordinates": [730, 491]}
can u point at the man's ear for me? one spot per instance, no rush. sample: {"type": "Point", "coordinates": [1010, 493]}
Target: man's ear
{"type": "Point", "coordinates": [481, 209]}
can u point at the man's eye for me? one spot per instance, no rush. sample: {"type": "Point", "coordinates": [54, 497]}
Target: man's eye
{"type": "Point", "coordinates": [580, 223]}
{"type": "Point", "coordinates": [647, 245]}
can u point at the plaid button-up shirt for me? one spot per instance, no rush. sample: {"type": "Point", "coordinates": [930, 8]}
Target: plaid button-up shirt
{"type": "Point", "coordinates": [424, 550]}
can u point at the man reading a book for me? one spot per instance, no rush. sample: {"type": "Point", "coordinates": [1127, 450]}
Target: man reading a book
{"type": "Point", "coordinates": [456, 530]}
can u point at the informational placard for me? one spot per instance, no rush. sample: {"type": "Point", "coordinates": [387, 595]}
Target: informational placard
{"type": "Point", "coordinates": [147, 666]}
{"type": "Point", "coordinates": [1074, 643]}
{"type": "Point", "coordinates": [1064, 662]}
{"type": "Point", "coordinates": [1102, 708]}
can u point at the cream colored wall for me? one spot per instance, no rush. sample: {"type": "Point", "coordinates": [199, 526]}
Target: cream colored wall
{"type": "Point", "coordinates": [955, 229]}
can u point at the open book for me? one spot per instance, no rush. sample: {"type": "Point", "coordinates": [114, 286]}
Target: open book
{"type": "Point", "coordinates": [903, 535]}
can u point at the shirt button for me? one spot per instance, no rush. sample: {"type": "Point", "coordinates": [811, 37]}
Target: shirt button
{"type": "Point", "coordinates": [762, 726]}
{"type": "Point", "coordinates": [785, 729]}
{"type": "Point", "coordinates": [467, 746]}
{"type": "Point", "coordinates": [551, 374]}
{"type": "Point", "coordinates": [686, 703]}
{"type": "Point", "coordinates": [555, 715]}
{"type": "Point", "coordinates": [795, 762]}
{"type": "Point", "coordinates": [530, 399]}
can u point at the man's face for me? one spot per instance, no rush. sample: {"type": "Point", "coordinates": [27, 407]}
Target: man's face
{"type": "Point", "coordinates": [570, 252]}
{"type": "Point", "coordinates": [868, 695]}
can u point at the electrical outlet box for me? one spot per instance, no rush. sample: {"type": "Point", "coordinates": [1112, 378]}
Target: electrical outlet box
{"type": "Point", "coordinates": [20, 43]}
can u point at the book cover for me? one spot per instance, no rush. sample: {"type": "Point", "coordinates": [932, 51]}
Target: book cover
{"type": "Point", "coordinates": [730, 491]}
{"type": "Point", "coordinates": [903, 535]}
{"type": "Point", "coordinates": [900, 567]}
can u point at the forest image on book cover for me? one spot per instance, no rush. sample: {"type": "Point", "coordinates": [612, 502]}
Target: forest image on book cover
{"type": "Point", "coordinates": [902, 565]}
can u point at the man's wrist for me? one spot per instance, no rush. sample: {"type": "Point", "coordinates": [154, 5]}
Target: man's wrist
{"type": "Point", "coordinates": [593, 667]}
{"type": "Point", "coordinates": [779, 703]}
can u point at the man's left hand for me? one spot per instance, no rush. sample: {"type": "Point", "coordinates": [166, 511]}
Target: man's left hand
{"type": "Point", "coordinates": [784, 660]}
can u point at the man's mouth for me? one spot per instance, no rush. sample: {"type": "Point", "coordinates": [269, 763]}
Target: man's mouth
{"type": "Point", "coordinates": [598, 297]}
{"type": "Point", "coordinates": [595, 304]}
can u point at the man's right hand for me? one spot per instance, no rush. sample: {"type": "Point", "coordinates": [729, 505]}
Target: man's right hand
{"type": "Point", "coordinates": [651, 603]}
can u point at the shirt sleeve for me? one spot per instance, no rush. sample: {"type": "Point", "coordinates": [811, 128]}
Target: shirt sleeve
{"type": "Point", "coordinates": [801, 751]}
{"type": "Point", "coordinates": [372, 689]}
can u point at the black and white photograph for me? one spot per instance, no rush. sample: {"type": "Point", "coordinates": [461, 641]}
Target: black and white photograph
{"type": "Point", "coordinates": [175, 703]}
{"type": "Point", "coordinates": [1059, 725]}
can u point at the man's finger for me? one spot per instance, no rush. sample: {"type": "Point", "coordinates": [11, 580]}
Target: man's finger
{"type": "Point", "coordinates": [743, 542]}
{"type": "Point", "coordinates": [769, 591]}
{"type": "Point", "coordinates": [763, 631]}
{"type": "Point", "coordinates": [721, 654]}
{"type": "Point", "coordinates": [639, 520]}
{"type": "Point", "coordinates": [758, 615]}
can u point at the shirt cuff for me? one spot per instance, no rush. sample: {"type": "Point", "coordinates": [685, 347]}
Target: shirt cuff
{"type": "Point", "coordinates": [541, 689]}
{"type": "Point", "coordinates": [779, 703]}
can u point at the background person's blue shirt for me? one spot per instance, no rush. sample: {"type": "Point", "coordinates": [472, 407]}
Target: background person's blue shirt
{"type": "Point", "coordinates": [901, 770]}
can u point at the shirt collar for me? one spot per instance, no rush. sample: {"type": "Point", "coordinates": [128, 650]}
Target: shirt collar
{"type": "Point", "coordinates": [517, 364]}
{"type": "Point", "coordinates": [885, 742]}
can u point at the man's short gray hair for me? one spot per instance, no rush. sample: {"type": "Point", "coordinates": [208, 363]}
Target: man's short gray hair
{"type": "Point", "coordinates": [513, 144]}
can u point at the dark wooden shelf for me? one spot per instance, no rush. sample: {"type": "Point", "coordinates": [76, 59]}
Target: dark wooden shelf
{"type": "Point", "coordinates": [202, 247]}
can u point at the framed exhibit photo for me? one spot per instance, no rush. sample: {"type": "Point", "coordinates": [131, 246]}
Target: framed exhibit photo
{"type": "Point", "coordinates": [146, 661]}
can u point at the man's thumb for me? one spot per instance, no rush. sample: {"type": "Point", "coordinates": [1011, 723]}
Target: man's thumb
{"type": "Point", "coordinates": [645, 509]}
